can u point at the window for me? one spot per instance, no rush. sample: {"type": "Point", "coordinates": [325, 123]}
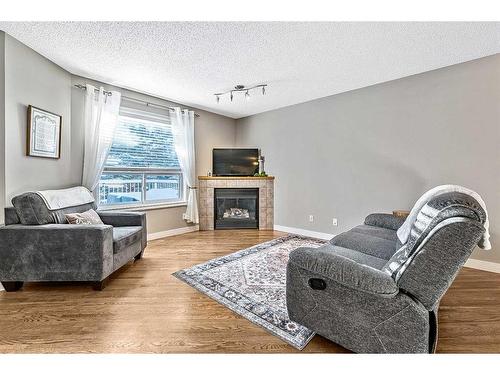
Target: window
{"type": "Point", "coordinates": [142, 167]}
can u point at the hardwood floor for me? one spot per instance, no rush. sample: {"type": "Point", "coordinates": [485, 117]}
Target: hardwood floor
{"type": "Point", "coordinates": [146, 310]}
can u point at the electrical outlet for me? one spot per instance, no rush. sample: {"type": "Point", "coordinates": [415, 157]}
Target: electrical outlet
{"type": "Point", "coordinates": [335, 222]}
{"type": "Point", "coordinates": [311, 218]}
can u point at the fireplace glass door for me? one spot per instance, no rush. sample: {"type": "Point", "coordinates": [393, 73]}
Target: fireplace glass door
{"type": "Point", "coordinates": [236, 208]}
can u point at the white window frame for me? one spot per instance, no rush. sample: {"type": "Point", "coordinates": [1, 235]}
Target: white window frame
{"type": "Point", "coordinates": [145, 172]}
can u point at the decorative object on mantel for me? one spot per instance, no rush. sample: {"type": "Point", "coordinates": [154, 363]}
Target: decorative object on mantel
{"type": "Point", "coordinates": [252, 283]}
{"type": "Point", "coordinates": [401, 213]}
{"type": "Point", "coordinates": [262, 160]}
{"type": "Point", "coordinates": [240, 88]}
{"type": "Point", "coordinates": [44, 133]}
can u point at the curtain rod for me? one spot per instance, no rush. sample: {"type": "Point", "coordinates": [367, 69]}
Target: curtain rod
{"type": "Point", "coordinates": [147, 104]}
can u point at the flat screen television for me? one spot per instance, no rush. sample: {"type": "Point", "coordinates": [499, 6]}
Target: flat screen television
{"type": "Point", "coordinates": [235, 161]}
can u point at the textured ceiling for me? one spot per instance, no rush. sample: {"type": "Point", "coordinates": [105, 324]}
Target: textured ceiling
{"type": "Point", "coordinates": [188, 62]}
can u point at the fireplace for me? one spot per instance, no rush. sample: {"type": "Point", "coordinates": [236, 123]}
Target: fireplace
{"type": "Point", "coordinates": [236, 208]}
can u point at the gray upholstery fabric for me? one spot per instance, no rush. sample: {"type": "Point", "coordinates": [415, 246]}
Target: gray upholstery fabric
{"type": "Point", "coordinates": [438, 209]}
{"type": "Point", "coordinates": [332, 267]}
{"type": "Point", "coordinates": [126, 255]}
{"type": "Point", "coordinates": [435, 265]}
{"type": "Point", "coordinates": [126, 219]}
{"type": "Point", "coordinates": [386, 221]}
{"type": "Point", "coordinates": [365, 243]}
{"type": "Point", "coordinates": [360, 321]}
{"type": "Point", "coordinates": [11, 216]}
{"type": "Point", "coordinates": [124, 237]}
{"type": "Point", "coordinates": [366, 312]}
{"type": "Point", "coordinates": [357, 256]}
{"type": "Point", "coordinates": [45, 248]}
{"type": "Point", "coordinates": [32, 210]}
{"type": "Point", "coordinates": [56, 252]}
{"type": "Point", "coordinates": [386, 234]}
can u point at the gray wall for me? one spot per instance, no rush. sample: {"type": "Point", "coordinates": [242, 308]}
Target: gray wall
{"type": "Point", "coordinates": [379, 148]}
{"type": "Point", "coordinates": [32, 79]}
{"type": "Point", "coordinates": [211, 130]}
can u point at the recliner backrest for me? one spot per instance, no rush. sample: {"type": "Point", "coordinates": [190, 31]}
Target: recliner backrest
{"type": "Point", "coordinates": [442, 238]}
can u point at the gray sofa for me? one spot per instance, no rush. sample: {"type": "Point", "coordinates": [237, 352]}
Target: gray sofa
{"type": "Point", "coordinates": [366, 292]}
{"type": "Point", "coordinates": [37, 244]}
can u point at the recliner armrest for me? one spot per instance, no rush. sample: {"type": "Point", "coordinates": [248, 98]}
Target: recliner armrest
{"type": "Point", "coordinates": [333, 267]}
{"type": "Point", "coordinates": [387, 221]}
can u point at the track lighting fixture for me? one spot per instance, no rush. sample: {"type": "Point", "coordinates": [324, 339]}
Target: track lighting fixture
{"type": "Point", "coordinates": [240, 88]}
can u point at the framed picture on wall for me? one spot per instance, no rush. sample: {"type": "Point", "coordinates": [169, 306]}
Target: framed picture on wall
{"type": "Point", "coordinates": [44, 133]}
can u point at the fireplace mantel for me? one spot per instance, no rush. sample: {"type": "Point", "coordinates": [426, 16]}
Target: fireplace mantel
{"type": "Point", "coordinates": [207, 185]}
{"type": "Point", "coordinates": [234, 178]}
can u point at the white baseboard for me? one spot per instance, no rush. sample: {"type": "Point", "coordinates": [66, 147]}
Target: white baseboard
{"type": "Point", "coordinates": [483, 265]}
{"type": "Point", "coordinates": [173, 232]}
{"type": "Point", "coordinates": [304, 232]}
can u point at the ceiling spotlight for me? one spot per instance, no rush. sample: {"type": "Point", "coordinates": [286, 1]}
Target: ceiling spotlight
{"type": "Point", "coordinates": [242, 89]}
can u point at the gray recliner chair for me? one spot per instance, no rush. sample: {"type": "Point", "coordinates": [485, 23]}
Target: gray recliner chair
{"type": "Point", "coordinates": [368, 293]}
{"type": "Point", "coordinates": [37, 244]}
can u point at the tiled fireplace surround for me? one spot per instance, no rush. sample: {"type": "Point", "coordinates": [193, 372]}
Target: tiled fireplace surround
{"type": "Point", "coordinates": [206, 186]}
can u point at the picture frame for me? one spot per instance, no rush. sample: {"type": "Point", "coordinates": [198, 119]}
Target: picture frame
{"type": "Point", "coordinates": [43, 133]}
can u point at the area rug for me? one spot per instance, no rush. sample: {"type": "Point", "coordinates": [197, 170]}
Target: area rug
{"type": "Point", "coordinates": [252, 283]}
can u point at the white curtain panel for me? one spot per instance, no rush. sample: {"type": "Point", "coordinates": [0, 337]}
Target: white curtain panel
{"type": "Point", "coordinates": [183, 132]}
{"type": "Point", "coordinates": [100, 120]}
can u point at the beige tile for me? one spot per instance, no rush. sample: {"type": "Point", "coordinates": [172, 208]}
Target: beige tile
{"type": "Point", "coordinates": [210, 193]}
{"type": "Point", "coordinates": [262, 222]}
{"type": "Point", "coordinates": [262, 198]}
{"type": "Point", "coordinates": [202, 193]}
{"type": "Point", "coordinates": [270, 218]}
{"type": "Point", "coordinates": [270, 197]}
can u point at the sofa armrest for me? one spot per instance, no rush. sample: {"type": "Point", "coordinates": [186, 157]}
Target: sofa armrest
{"type": "Point", "coordinates": [123, 218]}
{"type": "Point", "coordinates": [387, 221]}
{"type": "Point", "coordinates": [126, 219]}
{"type": "Point", "coordinates": [56, 252]}
{"type": "Point", "coordinates": [335, 268]}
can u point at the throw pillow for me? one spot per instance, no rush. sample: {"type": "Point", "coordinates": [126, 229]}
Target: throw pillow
{"type": "Point", "coordinates": [87, 217]}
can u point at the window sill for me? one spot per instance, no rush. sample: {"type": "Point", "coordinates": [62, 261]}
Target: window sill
{"type": "Point", "coordinates": [143, 207]}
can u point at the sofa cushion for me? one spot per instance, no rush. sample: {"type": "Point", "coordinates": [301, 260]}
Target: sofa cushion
{"type": "Point", "coordinates": [386, 234]}
{"type": "Point", "coordinates": [124, 237]}
{"type": "Point", "coordinates": [365, 243]}
{"type": "Point", "coordinates": [32, 210]}
{"type": "Point", "coordinates": [357, 256]}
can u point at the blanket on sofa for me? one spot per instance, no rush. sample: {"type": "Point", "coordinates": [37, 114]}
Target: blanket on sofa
{"type": "Point", "coordinates": [404, 231]}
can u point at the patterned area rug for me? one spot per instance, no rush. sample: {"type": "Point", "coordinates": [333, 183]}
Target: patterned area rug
{"type": "Point", "coordinates": [252, 283]}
